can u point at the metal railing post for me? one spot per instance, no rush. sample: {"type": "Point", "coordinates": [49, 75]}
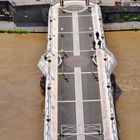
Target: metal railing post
{"type": "Point", "coordinates": [87, 2]}
{"type": "Point", "coordinates": [62, 3]}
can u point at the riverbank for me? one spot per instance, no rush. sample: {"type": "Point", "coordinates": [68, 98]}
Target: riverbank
{"type": "Point", "coordinates": [122, 26]}
{"type": "Point", "coordinates": [107, 27]}
{"type": "Point", "coordinates": [4, 25]}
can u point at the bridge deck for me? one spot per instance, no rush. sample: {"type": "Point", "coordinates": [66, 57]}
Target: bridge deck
{"type": "Point", "coordinates": [78, 102]}
{"type": "Point", "coordinates": [79, 107]}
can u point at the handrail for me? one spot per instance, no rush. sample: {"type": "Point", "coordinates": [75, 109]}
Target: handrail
{"type": "Point", "coordinates": [108, 64]}
{"type": "Point", "coordinates": [47, 124]}
{"type": "Point", "coordinates": [112, 61]}
{"type": "Point", "coordinates": [45, 66]}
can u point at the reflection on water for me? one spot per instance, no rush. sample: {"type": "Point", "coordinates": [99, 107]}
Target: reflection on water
{"type": "Point", "coordinates": [126, 48]}
{"type": "Point", "coordinates": [21, 102]}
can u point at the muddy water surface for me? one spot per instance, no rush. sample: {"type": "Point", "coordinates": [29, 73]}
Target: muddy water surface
{"type": "Point", "coordinates": [21, 102]}
{"type": "Point", "coordinates": [126, 48]}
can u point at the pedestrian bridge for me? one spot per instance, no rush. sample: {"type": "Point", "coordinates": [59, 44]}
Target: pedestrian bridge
{"type": "Point", "coordinates": [77, 66]}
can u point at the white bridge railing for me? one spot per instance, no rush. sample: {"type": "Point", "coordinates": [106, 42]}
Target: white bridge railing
{"type": "Point", "coordinates": [45, 65]}
{"type": "Point", "coordinates": [110, 63]}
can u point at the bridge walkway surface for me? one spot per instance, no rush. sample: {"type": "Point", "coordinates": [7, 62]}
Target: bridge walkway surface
{"type": "Point", "coordinates": [79, 105]}
{"type": "Point", "coordinates": [78, 95]}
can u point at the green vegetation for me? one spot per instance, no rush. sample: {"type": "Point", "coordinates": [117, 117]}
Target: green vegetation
{"type": "Point", "coordinates": [124, 18]}
{"type": "Point", "coordinates": [130, 18]}
{"type": "Point", "coordinates": [17, 31]}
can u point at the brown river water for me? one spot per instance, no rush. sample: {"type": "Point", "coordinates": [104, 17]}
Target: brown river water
{"type": "Point", "coordinates": [126, 48]}
{"type": "Point", "coordinates": [22, 102]}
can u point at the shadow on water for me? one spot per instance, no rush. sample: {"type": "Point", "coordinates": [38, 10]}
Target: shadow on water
{"type": "Point", "coordinates": [42, 85]}
{"type": "Point", "coordinates": [117, 91]}
{"type": "Point", "coordinates": [116, 94]}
